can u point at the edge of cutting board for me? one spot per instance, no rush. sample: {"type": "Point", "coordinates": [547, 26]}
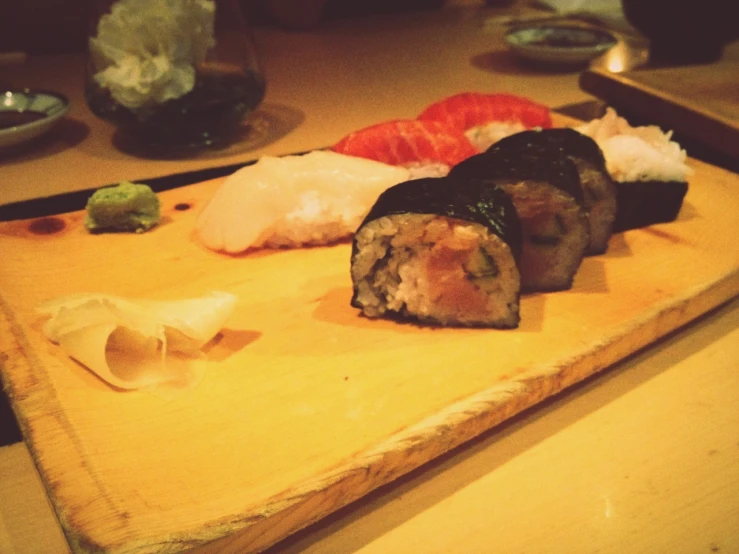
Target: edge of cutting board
{"type": "Point", "coordinates": [461, 422]}
{"type": "Point", "coordinates": [313, 499]}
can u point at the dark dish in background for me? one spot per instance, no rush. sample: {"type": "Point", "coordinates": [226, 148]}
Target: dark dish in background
{"type": "Point", "coordinates": [559, 45]}
{"type": "Point", "coordinates": [174, 84]}
{"type": "Point", "coordinates": [686, 32]}
{"type": "Point", "coordinates": [27, 114]}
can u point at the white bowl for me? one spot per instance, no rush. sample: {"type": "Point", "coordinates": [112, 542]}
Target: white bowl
{"type": "Point", "coordinates": [559, 44]}
{"type": "Point", "coordinates": [26, 114]}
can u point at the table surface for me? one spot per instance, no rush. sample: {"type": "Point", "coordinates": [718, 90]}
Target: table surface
{"type": "Point", "coordinates": [641, 458]}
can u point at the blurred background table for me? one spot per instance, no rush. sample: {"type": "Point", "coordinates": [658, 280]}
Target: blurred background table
{"type": "Point", "coordinates": [642, 458]}
{"type": "Point", "coordinates": [321, 84]}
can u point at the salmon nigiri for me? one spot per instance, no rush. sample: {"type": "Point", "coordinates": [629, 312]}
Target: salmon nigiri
{"type": "Point", "coordinates": [487, 118]}
{"type": "Point", "coordinates": [427, 148]}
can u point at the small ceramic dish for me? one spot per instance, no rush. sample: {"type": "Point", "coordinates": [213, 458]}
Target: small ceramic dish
{"type": "Point", "coordinates": [559, 44]}
{"type": "Point", "coordinates": [26, 114]}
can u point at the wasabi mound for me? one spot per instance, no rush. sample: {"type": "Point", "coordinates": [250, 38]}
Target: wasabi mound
{"type": "Point", "coordinates": [126, 207]}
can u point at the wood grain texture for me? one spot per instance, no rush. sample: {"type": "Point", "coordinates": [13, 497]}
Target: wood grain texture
{"type": "Point", "coordinates": [699, 102]}
{"type": "Point", "coordinates": [306, 406]}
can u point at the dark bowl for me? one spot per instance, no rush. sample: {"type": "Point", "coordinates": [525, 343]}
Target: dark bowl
{"type": "Point", "coordinates": [689, 32]}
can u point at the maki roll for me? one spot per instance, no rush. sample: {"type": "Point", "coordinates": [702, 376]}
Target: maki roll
{"type": "Point", "coordinates": [649, 170]}
{"type": "Point", "coordinates": [599, 192]}
{"type": "Point", "coordinates": [546, 193]}
{"type": "Point", "coordinates": [439, 251]}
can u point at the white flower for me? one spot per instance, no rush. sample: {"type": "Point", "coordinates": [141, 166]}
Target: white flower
{"type": "Point", "coordinates": [146, 51]}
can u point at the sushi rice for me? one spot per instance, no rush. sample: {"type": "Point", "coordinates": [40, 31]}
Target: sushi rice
{"type": "Point", "coordinates": [484, 136]}
{"type": "Point", "coordinates": [643, 153]}
{"type": "Point", "coordinates": [436, 270]}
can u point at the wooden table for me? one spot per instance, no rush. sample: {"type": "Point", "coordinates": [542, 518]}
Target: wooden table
{"type": "Point", "coordinates": [641, 458]}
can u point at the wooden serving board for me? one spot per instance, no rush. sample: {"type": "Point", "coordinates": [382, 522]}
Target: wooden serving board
{"type": "Point", "coordinates": [305, 405]}
{"type": "Point", "coordinates": [697, 102]}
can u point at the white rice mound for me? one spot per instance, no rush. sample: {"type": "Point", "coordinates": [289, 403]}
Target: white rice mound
{"type": "Point", "coordinates": [420, 170]}
{"type": "Point", "coordinates": [484, 136]}
{"type": "Point", "coordinates": [637, 153]}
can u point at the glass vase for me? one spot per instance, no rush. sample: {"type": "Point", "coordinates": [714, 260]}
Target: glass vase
{"type": "Point", "coordinates": [172, 75]}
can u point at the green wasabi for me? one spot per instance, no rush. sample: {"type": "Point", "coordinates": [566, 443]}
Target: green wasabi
{"type": "Point", "coordinates": [126, 206]}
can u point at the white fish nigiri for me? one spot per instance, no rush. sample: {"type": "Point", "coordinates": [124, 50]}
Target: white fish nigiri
{"type": "Point", "coordinates": [136, 343]}
{"type": "Point", "coordinates": [313, 199]}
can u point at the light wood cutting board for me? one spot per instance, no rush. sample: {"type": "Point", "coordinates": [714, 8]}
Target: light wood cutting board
{"type": "Point", "coordinates": [305, 405]}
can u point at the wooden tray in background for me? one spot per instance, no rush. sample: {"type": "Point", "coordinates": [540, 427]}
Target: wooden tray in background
{"type": "Point", "coordinates": [697, 102]}
{"type": "Point", "coordinates": [306, 406]}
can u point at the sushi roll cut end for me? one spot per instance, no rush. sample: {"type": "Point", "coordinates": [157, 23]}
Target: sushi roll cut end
{"type": "Point", "coordinates": [439, 252]}
{"type": "Point", "coordinates": [437, 270]}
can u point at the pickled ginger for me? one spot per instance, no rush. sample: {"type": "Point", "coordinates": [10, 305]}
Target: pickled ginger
{"type": "Point", "coordinates": [132, 344]}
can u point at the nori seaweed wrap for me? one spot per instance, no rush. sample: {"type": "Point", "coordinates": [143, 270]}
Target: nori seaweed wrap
{"type": "Point", "coordinates": [644, 203]}
{"type": "Point", "coordinates": [441, 251]}
{"type": "Point", "coordinates": [502, 166]}
{"type": "Point", "coordinates": [599, 192]}
{"type": "Point", "coordinates": [545, 189]}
